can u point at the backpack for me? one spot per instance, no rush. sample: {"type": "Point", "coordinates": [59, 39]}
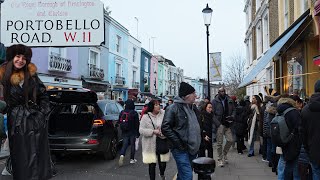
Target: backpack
{"type": "Point", "coordinates": [124, 121]}
{"type": "Point", "coordinates": [279, 130]}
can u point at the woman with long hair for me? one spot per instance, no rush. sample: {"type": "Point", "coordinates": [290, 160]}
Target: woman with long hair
{"type": "Point", "coordinates": [150, 129]}
{"type": "Point", "coordinates": [253, 123]}
{"type": "Point", "coordinates": [206, 120]}
{"type": "Point", "coordinates": [28, 109]}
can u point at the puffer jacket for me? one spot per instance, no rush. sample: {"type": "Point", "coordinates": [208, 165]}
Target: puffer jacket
{"type": "Point", "coordinates": [218, 111]}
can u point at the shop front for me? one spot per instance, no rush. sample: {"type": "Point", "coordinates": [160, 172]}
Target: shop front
{"type": "Point", "coordinates": [52, 82]}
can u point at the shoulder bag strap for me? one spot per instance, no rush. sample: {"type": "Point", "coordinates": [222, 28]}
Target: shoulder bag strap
{"type": "Point", "coordinates": [151, 121]}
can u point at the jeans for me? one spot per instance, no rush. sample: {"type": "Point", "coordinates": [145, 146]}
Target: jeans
{"type": "Point", "coordinates": [315, 170]}
{"type": "Point", "coordinates": [269, 149]}
{"type": "Point", "coordinates": [183, 161]}
{"type": "Point", "coordinates": [288, 170]}
{"type": "Point", "coordinates": [152, 168]}
{"type": "Point", "coordinates": [126, 141]}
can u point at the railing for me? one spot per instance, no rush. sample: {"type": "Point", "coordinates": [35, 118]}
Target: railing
{"type": "Point", "coordinates": [60, 64]}
{"type": "Point", "coordinates": [95, 72]}
{"type": "Point", "coordinates": [120, 80]}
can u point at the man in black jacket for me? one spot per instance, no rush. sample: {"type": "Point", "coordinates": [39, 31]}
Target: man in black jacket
{"type": "Point", "coordinates": [310, 128]}
{"type": "Point", "coordinates": [224, 113]}
{"type": "Point", "coordinates": [180, 125]}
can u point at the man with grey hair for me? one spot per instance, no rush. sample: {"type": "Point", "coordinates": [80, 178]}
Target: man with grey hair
{"type": "Point", "coordinates": [223, 115]}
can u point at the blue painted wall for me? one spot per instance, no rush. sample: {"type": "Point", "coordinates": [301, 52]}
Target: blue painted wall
{"type": "Point", "coordinates": [148, 55]}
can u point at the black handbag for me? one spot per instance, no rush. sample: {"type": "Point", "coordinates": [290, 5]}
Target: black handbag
{"type": "Point", "coordinates": [162, 145]}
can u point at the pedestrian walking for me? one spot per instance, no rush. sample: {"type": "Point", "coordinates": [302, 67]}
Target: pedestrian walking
{"type": "Point", "coordinates": [3, 134]}
{"type": "Point", "coordinates": [150, 130]}
{"type": "Point", "coordinates": [240, 125]}
{"type": "Point", "coordinates": [205, 121]}
{"type": "Point", "coordinates": [253, 123]}
{"type": "Point", "coordinates": [223, 115]}
{"type": "Point", "coordinates": [180, 125]}
{"type": "Point", "coordinates": [28, 109]}
{"type": "Point", "coordinates": [310, 130]}
{"type": "Point", "coordinates": [129, 125]}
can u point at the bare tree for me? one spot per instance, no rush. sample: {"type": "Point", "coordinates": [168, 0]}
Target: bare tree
{"type": "Point", "coordinates": [235, 74]}
{"type": "Point", "coordinates": [107, 10]}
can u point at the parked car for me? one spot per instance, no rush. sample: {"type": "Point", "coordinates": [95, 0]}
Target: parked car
{"type": "Point", "coordinates": [80, 123]}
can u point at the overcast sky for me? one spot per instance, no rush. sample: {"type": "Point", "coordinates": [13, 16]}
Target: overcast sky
{"type": "Point", "coordinates": [179, 31]}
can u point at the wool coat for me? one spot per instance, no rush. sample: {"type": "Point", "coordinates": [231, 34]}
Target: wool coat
{"type": "Point", "coordinates": [148, 139]}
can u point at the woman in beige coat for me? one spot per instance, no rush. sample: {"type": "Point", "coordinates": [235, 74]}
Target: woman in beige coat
{"type": "Point", "coordinates": [150, 128]}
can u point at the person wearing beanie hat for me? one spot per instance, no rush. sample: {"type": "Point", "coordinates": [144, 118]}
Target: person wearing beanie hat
{"type": "Point", "coordinates": [29, 105]}
{"type": "Point", "coordinates": [224, 113]}
{"type": "Point", "coordinates": [185, 89]}
{"type": "Point", "coordinates": [181, 126]}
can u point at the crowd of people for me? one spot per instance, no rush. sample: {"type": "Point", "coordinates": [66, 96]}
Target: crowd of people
{"type": "Point", "coordinates": [286, 127]}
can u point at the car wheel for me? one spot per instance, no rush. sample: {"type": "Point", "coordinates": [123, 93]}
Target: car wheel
{"type": "Point", "coordinates": [110, 151]}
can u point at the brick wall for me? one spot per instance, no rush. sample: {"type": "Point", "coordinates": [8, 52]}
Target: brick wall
{"type": "Point", "coordinates": [273, 21]}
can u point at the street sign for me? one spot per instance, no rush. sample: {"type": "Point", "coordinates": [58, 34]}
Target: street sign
{"type": "Point", "coordinates": [52, 23]}
{"type": "Point", "coordinates": [215, 66]}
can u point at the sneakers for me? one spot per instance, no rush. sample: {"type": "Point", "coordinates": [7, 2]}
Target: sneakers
{"type": "Point", "coordinates": [265, 160]}
{"type": "Point", "coordinates": [225, 159]}
{"type": "Point", "coordinates": [121, 160]}
{"type": "Point", "coordinates": [132, 161]}
{"type": "Point", "coordinates": [220, 163]}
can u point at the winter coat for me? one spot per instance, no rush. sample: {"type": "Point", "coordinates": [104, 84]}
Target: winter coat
{"type": "Point", "coordinates": [219, 114]}
{"type": "Point", "coordinates": [27, 127]}
{"type": "Point", "coordinates": [205, 122]}
{"type": "Point", "coordinates": [3, 134]}
{"type": "Point", "coordinates": [133, 120]}
{"type": "Point", "coordinates": [177, 126]}
{"type": "Point", "coordinates": [240, 123]}
{"type": "Point", "coordinates": [310, 128]}
{"type": "Point", "coordinates": [269, 114]}
{"type": "Point", "coordinates": [253, 123]}
{"type": "Point", "coordinates": [148, 139]}
{"type": "Point", "coordinates": [291, 150]}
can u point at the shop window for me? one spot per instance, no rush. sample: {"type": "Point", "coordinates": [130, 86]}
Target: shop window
{"type": "Point", "coordinates": [295, 76]}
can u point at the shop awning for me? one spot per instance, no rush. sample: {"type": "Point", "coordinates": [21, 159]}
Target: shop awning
{"type": "Point", "coordinates": [267, 57]}
{"type": "Point", "coordinates": [96, 81]}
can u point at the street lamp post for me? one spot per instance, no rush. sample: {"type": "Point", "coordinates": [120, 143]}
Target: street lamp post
{"type": "Point", "coordinates": [207, 13]}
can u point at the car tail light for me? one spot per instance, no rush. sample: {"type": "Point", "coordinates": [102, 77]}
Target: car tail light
{"type": "Point", "coordinates": [92, 141]}
{"type": "Point", "coordinates": [98, 122]}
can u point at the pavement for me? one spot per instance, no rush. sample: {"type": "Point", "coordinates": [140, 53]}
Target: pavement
{"type": "Point", "coordinates": [84, 167]}
{"type": "Point", "coordinates": [241, 167]}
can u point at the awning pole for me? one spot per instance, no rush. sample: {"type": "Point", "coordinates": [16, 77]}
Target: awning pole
{"type": "Point", "coordinates": [280, 73]}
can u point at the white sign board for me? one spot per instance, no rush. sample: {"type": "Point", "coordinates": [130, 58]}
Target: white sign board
{"type": "Point", "coordinates": [215, 66]}
{"type": "Point", "coordinates": [52, 22]}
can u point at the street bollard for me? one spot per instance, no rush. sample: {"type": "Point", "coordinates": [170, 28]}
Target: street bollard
{"type": "Point", "coordinates": [204, 167]}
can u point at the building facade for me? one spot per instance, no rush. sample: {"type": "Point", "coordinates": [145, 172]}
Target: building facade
{"type": "Point", "coordinates": [162, 76]}
{"type": "Point", "coordinates": [118, 60]}
{"type": "Point", "coordinates": [134, 59]}
{"type": "Point", "coordinates": [145, 70]}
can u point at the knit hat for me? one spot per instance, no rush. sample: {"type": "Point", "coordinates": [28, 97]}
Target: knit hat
{"type": "Point", "coordinates": [185, 89]}
{"type": "Point", "coordinates": [246, 98]}
{"type": "Point", "coordinates": [317, 86]}
{"type": "Point", "coordinates": [18, 49]}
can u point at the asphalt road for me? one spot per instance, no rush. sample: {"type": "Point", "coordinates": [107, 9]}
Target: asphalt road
{"type": "Point", "coordinates": [91, 167]}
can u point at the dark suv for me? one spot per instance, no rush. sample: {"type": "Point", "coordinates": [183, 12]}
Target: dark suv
{"type": "Point", "coordinates": [81, 123]}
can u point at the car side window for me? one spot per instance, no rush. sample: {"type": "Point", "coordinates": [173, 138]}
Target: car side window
{"type": "Point", "coordinates": [114, 108]}
{"type": "Point", "coordinates": [119, 107]}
